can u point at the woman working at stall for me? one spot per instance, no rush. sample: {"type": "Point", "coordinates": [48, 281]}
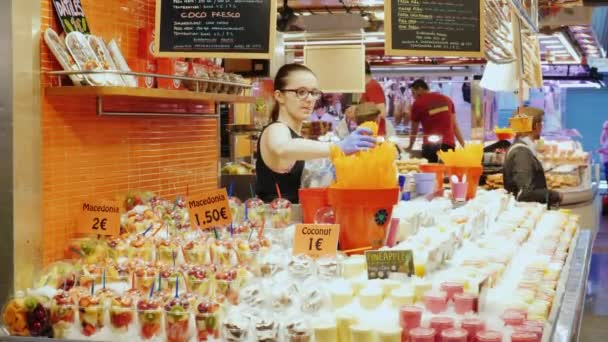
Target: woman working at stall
{"type": "Point", "coordinates": [281, 150]}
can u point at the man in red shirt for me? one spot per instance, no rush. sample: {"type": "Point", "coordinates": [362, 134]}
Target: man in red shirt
{"type": "Point", "coordinates": [373, 94]}
{"type": "Point", "coordinates": [436, 113]}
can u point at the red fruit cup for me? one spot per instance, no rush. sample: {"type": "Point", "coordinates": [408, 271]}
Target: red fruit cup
{"type": "Point", "coordinates": [410, 317]}
{"type": "Point", "coordinates": [440, 324]}
{"type": "Point", "coordinates": [454, 335]}
{"type": "Point", "coordinates": [473, 326]}
{"type": "Point", "coordinates": [512, 318]}
{"type": "Point", "coordinates": [436, 302]}
{"type": "Point", "coordinates": [489, 336]}
{"type": "Point", "coordinates": [422, 335]}
{"type": "Point", "coordinates": [524, 336]}
{"type": "Point", "coordinates": [464, 302]}
{"type": "Point", "coordinates": [452, 288]}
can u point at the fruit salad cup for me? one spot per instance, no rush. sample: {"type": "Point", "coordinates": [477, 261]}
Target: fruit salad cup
{"type": "Point", "coordinates": [117, 249]}
{"type": "Point", "coordinates": [149, 314]}
{"type": "Point", "coordinates": [226, 286]}
{"type": "Point", "coordinates": [195, 253]}
{"type": "Point", "coordinates": [140, 248]}
{"type": "Point", "coordinates": [118, 272]}
{"type": "Point", "coordinates": [280, 213]}
{"type": "Point", "coordinates": [90, 274]}
{"type": "Point", "coordinates": [88, 250]}
{"type": "Point", "coordinates": [236, 209]}
{"type": "Point", "coordinates": [177, 317]}
{"type": "Point", "coordinates": [223, 253]}
{"type": "Point", "coordinates": [199, 281]}
{"type": "Point", "coordinates": [247, 253]}
{"type": "Point", "coordinates": [169, 276]}
{"type": "Point", "coordinates": [256, 212]}
{"type": "Point", "coordinates": [91, 315]}
{"type": "Point", "coordinates": [145, 278]}
{"type": "Point", "coordinates": [121, 314]}
{"type": "Point", "coordinates": [208, 320]}
{"type": "Point", "coordinates": [165, 251]}
{"type": "Point", "coordinates": [15, 317]}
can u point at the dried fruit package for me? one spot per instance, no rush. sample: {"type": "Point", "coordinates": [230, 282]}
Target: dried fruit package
{"type": "Point", "coordinates": [120, 61]}
{"type": "Point", "coordinates": [60, 51]}
{"type": "Point", "coordinates": [85, 57]}
{"type": "Point", "coordinates": [107, 63]}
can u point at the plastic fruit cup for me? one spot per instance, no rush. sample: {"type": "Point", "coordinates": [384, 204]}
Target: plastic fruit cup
{"type": "Point", "coordinates": [473, 326]}
{"type": "Point", "coordinates": [464, 302]}
{"type": "Point", "coordinates": [422, 335]}
{"type": "Point", "coordinates": [121, 318]}
{"type": "Point", "coordinates": [200, 287]}
{"type": "Point", "coordinates": [62, 317]}
{"type": "Point", "coordinates": [436, 302]}
{"type": "Point", "coordinates": [452, 288]}
{"type": "Point", "coordinates": [176, 326]}
{"type": "Point", "coordinates": [512, 318]}
{"type": "Point", "coordinates": [280, 217]}
{"type": "Point", "coordinates": [454, 335]}
{"type": "Point", "coordinates": [524, 336]}
{"type": "Point", "coordinates": [489, 336]}
{"type": "Point", "coordinates": [144, 283]}
{"type": "Point", "coordinates": [150, 323]}
{"type": "Point", "coordinates": [227, 289]}
{"type": "Point", "coordinates": [410, 317]}
{"type": "Point", "coordinates": [91, 319]}
{"type": "Point", "coordinates": [440, 324]}
{"type": "Point", "coordinates": [208, 326]}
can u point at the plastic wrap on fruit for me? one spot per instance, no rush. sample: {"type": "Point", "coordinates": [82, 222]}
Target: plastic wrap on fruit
{"type": "Point", "coordinates": [255, 212]}
{"type": "Point", "coordinates": [236, 209]}
{"type": "Point", "coordinates": [149, 314]}
{"type": "Point", "coordinates": [280, 213]}
{"type": "Point", "coordinates": [177, 316]}
{"type": "Point", "coordinates": [121, 313]}
{"type": "Point", "coordinates": [58, 275]}
{"type": "Point", "coordinates": [226, 285]}
{"type": "Point", "coordinates": [91, 315]}
{"type": "Point", "coordinates": [63, 312]}
{"type": "Point", "coordinates": [198, 279]}
{"type": "Point", "coordinates": [207, 318]}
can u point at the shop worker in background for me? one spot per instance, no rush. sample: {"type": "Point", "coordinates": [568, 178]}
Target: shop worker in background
{"type": "Point", "coordinates": [374, 94]}
{"type": "Point", "coordinates": [363, 113]}
{"type": "Point", "coordinates": [435, 112]}
{"type": "Point", "coordinates": [523, 173]}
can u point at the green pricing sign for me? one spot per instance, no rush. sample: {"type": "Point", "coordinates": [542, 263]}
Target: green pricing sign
{"type": "Point", "coordinates": [71, 15]}
{"type": "Point", "coordinates": [380, 264]}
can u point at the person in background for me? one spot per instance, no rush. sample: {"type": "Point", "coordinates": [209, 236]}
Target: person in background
{"type": "Point", "coordinates": [603, 151]}
{"type": "Point", "coordinates": [523, 173]}
{"type": "Point", "coordinates": [320, 113]}
{"type": "Point", "coordinates": [435, 112]}
{"type": "Point", "coordinates": [281, 150]}
{"type": "Point", "coordinates": [375, 94]}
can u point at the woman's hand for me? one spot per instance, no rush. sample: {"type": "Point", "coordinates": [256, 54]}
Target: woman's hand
{"type": "Point", "coordinates": [360, 139]}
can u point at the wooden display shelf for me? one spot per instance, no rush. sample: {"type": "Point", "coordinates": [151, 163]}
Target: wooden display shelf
{"type": "Point", "coordinates": [154, 93]}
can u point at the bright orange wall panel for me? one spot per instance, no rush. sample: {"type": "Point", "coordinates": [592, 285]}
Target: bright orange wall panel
{"type": "Point", "coordinates": [87, 156]}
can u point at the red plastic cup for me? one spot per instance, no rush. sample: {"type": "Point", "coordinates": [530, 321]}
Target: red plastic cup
{"type": "Point", "coordinates": [512, 318]}
{"type": "Point", "coordinates": [524, 336]}
{"type": "Point", "coordinates": [436, 302]}
{"type": "Point", "coordinates": [452, 288]}
{"type": "Point", "coordinates": [464, 302]}
{"type": "Point", "coordinates": [488, 336]}
{"type": "Point", "coordinates": [473, 326]}
{"type": "Point", "coordinates": [422, 335]}
{"type": "Point", "coordinates": [454, 335]}
{"type": "Point", "coordinates": [440, 324]}
{"type": "Point", "coordinates": [410, 317]}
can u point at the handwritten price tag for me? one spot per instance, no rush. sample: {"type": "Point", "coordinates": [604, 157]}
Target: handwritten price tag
{"type": "Point", "coordinates": [209, 209]}
{"type": "Point", "coordinates": [99, 217]}
{"type": "Point", "coordinates": [316, 240]}
{"type": "Point", "coordinates": [380, 264]}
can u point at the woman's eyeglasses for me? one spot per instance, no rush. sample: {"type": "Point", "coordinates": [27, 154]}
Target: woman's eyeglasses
{"type": "Point", "coordinates": [302, 93]}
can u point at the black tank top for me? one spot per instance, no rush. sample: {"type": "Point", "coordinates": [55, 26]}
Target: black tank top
{"type": "Point", "coordinates": [289, 183]}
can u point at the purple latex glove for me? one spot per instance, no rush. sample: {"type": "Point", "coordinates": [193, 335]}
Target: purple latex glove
{"type": "Point", "coordinates": [360, 139]}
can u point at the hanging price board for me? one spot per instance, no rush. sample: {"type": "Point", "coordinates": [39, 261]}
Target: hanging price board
{"type": "Point", "coordinates": [316, 240]}
{"type": "Point", "coordinates": [71, 15]}
{"type": "Point", "coordinates": [209, 209]}
{"type": "Point", "coordinates": [99, 217]}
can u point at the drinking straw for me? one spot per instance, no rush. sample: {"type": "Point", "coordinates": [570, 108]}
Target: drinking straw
{"type": "Point", "coordinates": [176, 286]}
{"type": "Point", "coordinates": [65, 284]}
{"type": "Point", "coordinates": [246, 213]}
{"type": "Point", "coordinates": [217, 236]}
{"type": "Point", "coordinates": [362, 249]}
{"type": "Point", "coordinates": [159, 282]}
{"type": "Point", "coordinates": [173, 254]}
{"type": "Point", "coordinates": [147, 230]}
{"type": "Point", "coordinates": [230, 188]}
{"type": "Point", "coordinates": [151, 291]}
{"type": "Point", "coordinates": [251, 190]}
{"type": "Point", "coordinates": [133, 280]}
{"type": "Point", "coordinates": [278, 189]}
{"type": "Point", "coordinates": [231, 230]}
{"type": "Point", "coordinates": [93, 289]}
{"type": "Point", "coordinates": [250, 234]}
{"type": "Point", "coordinates": [103, 279]}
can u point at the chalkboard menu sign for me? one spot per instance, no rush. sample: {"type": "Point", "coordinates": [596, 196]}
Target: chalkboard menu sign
{"type": "Point", "coordinates": [435, 28]}
{"type": "Point", "coordinates": [71, 15]}
{"type": "Point", "coordinates": [216, 28]}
